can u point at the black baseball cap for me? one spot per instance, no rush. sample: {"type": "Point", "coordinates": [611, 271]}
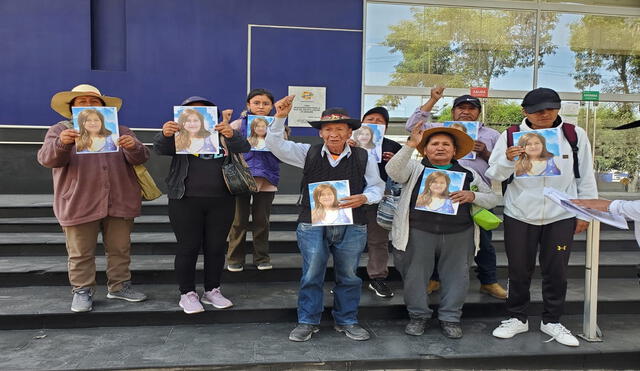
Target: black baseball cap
{"type": "Point", "coordinates": [380, 110]}
{"type": "Point", "coordinates": [198, 99]}
{"type": "Point", "coordinates": [540, 99]}
{"type": "Point", "coordinates": [467, 99]}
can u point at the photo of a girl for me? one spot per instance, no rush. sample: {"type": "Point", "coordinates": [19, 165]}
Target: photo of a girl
{"type": "Point", "coordinates": [94, 135]}
{"type": "Point", "coordinates": [193, 136]}
{"type": "Point", "coordinates": [536, 160]}
{"type": "Point", "coordinates": [258, 132]}
{"type": "Point", "coordinates": [367, 137]}
{"type": "Point", "coordinates": [325, 206]}
{"type": "Point", "coordinates": [435, 196]}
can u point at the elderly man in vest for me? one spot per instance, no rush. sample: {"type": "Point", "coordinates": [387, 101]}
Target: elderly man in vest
{"type": "Point", "coordinates": [330, 161]}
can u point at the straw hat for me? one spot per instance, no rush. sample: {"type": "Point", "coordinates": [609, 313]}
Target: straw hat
{"type": "Point", "coordinates": [463, 142]}
{"type": "Point", "coordinates": [61, 102]}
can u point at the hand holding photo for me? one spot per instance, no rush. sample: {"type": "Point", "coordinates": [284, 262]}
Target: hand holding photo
{"type": "Point", "coordinates": [325, 198]}
{"type": "Point", "coordinates": [370, 137]}
{"type": "Point", "coordinates": [471, 128]}
{"type": "Point", "coordinates": [98, 128]}
{"type": "Point", "coordinates": [435, 189]}
{"type": "Point", "coordinates": [196, 134]}
{"type": "Point", "coordinates": [541, 147]}
{"type": "Point", "coordinates": [257, 131]}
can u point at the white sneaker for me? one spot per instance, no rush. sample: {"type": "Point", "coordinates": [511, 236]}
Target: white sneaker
{"type": "Point", "coordinates": [559, 333]}
{"type": "Point", "coordinates": [510, 328]}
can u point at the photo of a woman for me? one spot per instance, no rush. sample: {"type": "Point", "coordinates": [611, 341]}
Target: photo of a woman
{"type": "Point", "coordinates": [365, 137]}
{"type": "Point", "coordinates": [536, 159]}
{"type": "Point", "coordinates": [326, 209]}
{"type": "Point", "coordinates": [435, 196]}
{"type": "Point", "coordinates": [94, 136]}
{"type": "Point", "coordinates": [258, 133]}
{"type": "Point", "coordinates": [193, 136]}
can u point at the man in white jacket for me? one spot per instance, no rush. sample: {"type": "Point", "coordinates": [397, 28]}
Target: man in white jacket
{"type": "Point", "coordinates": [531, 220]}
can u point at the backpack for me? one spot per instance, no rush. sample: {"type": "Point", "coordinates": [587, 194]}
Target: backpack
{"type": "Point", "coordinates": [569, 131]}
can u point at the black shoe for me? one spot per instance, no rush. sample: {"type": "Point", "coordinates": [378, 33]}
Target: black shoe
{"type": "Point", "coordinates": [353, 332]}
{"type": "Point", "coordinates": [303, 332]}
{"type": "Point", "coordinates": [381, 289]}
{"type": "Point", "coordinates": [452, 330]}
{"type": "Point", "coordinates": [416, 326]}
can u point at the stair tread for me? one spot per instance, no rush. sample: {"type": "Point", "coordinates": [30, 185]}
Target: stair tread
{"type": "Point", "coordinates": [39, 300]}
{"type": "Point", "coordinates": [42, 264]}
{"type": "Point", "coordinates": [274, 236]}
{"type": "Point", "coordinates": [265, 346]}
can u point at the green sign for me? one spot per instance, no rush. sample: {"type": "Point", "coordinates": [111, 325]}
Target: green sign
{"type": "Point", "coordinates": [592, 96]}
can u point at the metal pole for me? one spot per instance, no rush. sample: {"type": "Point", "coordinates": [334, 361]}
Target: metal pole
{"type": "Point", "coordinates": [591, 331]}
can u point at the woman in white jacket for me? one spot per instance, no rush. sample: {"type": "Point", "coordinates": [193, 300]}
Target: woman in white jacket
{"type": "Point", "coordinates": [420, 236]}
{"type": "Point", "coordinates": [530, 220]}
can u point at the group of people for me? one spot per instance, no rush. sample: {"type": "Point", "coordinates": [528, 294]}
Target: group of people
{"type": "Point", "coordinates": [432, 249]}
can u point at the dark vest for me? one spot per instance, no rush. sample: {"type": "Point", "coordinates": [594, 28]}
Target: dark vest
{"type": "Point", "coordinates": [318, 169]}
{"type": "Point", "coordinates": [441, 223]}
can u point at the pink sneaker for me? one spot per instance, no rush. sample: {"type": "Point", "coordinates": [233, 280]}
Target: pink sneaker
{"type": "Point", "coordinates": [215, 298]}
{"type": "Point", "coordinates": [190, 303]}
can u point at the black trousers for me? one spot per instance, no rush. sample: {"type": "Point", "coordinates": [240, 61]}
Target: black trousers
{"type": "Point", "coordinates": [200, 223]}
{"type": "Point", "coordinates": [521, 244]}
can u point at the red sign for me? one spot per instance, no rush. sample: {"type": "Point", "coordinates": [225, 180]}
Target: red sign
{"type": "Point", "coordinates": [479, 92]}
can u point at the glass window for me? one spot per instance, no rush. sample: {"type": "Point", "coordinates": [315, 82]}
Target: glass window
{"type": "Point", "coordinates": [591, 52]}
{"type": "Point", "coordinates": [625, 3]}
{"type": "Point", "coordinates": [457, 47]}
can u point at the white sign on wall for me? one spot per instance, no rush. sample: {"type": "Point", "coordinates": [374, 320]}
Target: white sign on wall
{"type": "Point", "coordinates": [308, 104]}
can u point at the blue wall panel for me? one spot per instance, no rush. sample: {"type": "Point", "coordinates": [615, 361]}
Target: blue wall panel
{"type": "Point", "coordinates": [309, 58]}
{"type": "Point", "coordinates": [173, 49]}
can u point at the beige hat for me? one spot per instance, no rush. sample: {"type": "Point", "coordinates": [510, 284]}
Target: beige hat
{"type": "Point", "coordinates": [463, 142]}
{"type": "Point", "coordinates": [61, 101]}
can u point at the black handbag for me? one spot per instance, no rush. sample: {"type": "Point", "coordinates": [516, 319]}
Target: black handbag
{"type": "Point", "coordinates": [236, 174]}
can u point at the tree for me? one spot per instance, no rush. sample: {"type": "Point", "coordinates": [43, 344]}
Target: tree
{"type": "Point", "coordinates": [609, 43]}
{"type": "Point", "coordinates": [460, 47]}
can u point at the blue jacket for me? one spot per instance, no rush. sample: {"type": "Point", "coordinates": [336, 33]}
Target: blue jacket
{"type": "Point", "coordinates": [261, 163]}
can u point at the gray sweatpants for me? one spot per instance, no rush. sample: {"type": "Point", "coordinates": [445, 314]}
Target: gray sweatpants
{"type": "Point", "coordinates": [454, 252]}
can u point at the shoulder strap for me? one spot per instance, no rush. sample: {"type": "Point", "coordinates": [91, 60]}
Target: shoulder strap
{"type": "Point", "coordinates": [510, 130]}
{"type": "Point", "coordinates": [569, 131]}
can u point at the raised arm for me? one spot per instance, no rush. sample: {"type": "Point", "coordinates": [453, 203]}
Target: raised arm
{"type": "Point", "coordinates": [286, 151]}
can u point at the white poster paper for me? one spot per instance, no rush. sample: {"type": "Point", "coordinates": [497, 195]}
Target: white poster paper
{"type": "Point", "coordinates": [308, 104]}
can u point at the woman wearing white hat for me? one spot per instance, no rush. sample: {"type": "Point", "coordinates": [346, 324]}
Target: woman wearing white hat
{"type": "Point", "coordinates": [94, 193]}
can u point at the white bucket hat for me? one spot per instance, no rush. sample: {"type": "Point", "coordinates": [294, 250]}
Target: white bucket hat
{"type": "Point", "coordinates": [61, 102]}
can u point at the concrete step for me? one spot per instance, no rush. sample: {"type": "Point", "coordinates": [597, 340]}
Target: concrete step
{"type": "Point", "coordinates": [144, 223]}
{"type": "Point", "coordinates": [37, 307]}
{"type": "Point", "coordinates": [147, 269]}
{"type": "Point", "coordinates": [24, 244]}
{"type": "Point", "coordinates": [264, 346]}
{"type": "Point", "coordinates": [26, 206]}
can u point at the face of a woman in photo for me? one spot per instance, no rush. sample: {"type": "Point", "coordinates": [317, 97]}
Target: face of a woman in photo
{"type": "Point", "coordinates": [260, 105]}
{"type": "Point", "coordinates": [93, 124]}
{"type": "Point", "coordinates": [193, 124]}
{"type": "Point", "coordinates": [260, 129]}
{"type": "Point", "coordinates": [364, 136]}
{"type": "Point", "coordinates": [533, 148]}
{"type": "Point", "coordinates": [438, 186]}
{"type": "Point", "coordinates": [326, 198]}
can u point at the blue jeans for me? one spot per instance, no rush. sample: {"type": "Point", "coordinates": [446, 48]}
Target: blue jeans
{"type": "Point", "coordinates": [485, 260]}
{"type": "Point", "coordinates": [346, 243]}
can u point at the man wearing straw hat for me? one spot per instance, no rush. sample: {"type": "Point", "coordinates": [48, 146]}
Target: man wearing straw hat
{"type": "Point", "coordinates": [94, 193]}
{"type": "Point", "coordinates": [332, 160]}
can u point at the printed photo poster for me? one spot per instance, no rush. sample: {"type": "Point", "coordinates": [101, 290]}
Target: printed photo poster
{"type": "Point", "coordinates": [257, 131]}
{"type": "Point", "coordinates": [435, 188]}
{"type": "Point", "coordinates": [308, 104]}
{"type": "Point", "coordinates": [98, 128]}
{"type": "Point", "coordinates": [370, 137]}
{"type": "Point", "coordinates": [325, 198]}
{"type": "Point", "coordinates": [197, 134]}
{"type": "Point", "coordinates": [469, 127]}
{"type": "Point", "coordinates": [541, 153]}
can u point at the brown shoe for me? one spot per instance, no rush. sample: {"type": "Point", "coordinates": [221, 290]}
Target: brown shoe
{"type": "Point", "coordinates": [433, 286]}
{"type": "Point", "coordinates": [495, 290]}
